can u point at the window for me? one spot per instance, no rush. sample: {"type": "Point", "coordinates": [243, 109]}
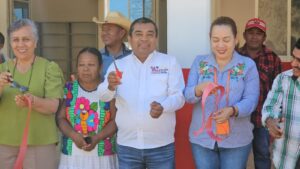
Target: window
{"type": "Point", "coordinates": [154, 9]}
{"type": "Point", "coordinates": [20, 9]}
{"type": "Point", "coordinates": [283, 27]}
{"type": "Point", "coordinates": [133, 9]}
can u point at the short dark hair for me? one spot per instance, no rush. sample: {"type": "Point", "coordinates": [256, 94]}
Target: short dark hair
{"type": "Point", "coordinates": [2, 38]}
{"type": "Point", "coordinates": [297, 45]}
{"type": "Point", "coordinates": [142, 20]}
{"type": "Point", "coordinates": [224, 20]}
{"type": "Point", "coordinates": [93, 51]}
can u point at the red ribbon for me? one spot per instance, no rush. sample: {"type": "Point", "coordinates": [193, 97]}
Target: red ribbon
{"type": "Point", "coordinates": [23, 147]}
{"type": "Point", "coordinates": [211, 87]}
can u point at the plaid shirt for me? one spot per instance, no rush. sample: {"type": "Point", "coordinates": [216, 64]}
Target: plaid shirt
{"type": "Point", "coordinates": [269, 66]}
{"type": "Point", "coordinates": [284, 101]}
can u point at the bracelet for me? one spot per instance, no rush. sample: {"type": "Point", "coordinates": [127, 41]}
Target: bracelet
{"type": "Point", "coordinates": [235, 113]}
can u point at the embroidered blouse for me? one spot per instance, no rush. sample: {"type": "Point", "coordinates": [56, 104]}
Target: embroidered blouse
{"type": "Point", "coordinates": [241, 76]}
{"type": "Point", "coordinates": [87, 115]}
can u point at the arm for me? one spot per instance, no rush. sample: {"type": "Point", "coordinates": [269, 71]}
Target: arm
{"type": "Point", "coordinates": [41, 105]}
{"type": "Point", "coordinates": [272, 109]}
{"type": "Point", "coordinates": [273, 103]}
{"type": "Point", "coordinates": [107, 131]}
{"type": "Point", "coordinates": [66, 128]}
{"type": "Point", "coordinates": [175, 98]}
{"type": "Point", "coordinates": [190, 90]}
{"type": "Point", "coordinates": [107, 89]}
{"type": "Point", "coordinates": [249, 99]}
{"type": "Point", "coordinates": [53, 91]}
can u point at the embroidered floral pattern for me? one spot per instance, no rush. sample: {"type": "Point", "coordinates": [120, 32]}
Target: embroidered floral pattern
{"type": "Point", "coordinates": [86, 119]}
{"type": "Point", "coordinates": [206, 70]}
{"type": "Point", "coordinates": [237, 71]}
{"type": "Point", "coordinates": [94, 121]}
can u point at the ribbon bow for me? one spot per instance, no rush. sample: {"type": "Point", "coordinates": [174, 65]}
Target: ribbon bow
{"type": "Point", "coordinates": [222, 128]}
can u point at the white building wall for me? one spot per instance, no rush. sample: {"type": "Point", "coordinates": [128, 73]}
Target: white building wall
{"type": "Point", "coordinates": [188, 29]}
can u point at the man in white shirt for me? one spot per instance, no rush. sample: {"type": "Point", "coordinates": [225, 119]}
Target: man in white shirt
{"type": "Point", "coordinates": [147, 95]}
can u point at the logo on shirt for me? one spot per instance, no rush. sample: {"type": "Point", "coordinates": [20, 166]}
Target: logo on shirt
{"type": "Point", "coordinates": [158, 70]}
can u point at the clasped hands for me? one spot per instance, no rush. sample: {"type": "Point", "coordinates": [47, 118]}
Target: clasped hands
{"type": "Point", "coordinates": [81, 143]}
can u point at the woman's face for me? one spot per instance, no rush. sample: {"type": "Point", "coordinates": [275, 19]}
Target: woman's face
{"type": "Point", "coordinates": [88, 69]}
{"type": "Point", "coordinates": [222, 41]}
{"type": "Point", "coordinates": [23, 42]}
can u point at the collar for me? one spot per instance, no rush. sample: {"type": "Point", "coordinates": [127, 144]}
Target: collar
{"type": "Point", "coordinates": [212, 60]}
{"type": "Point", "coordinates": [124, 50]}
{"type": "Point", "coordinates": [264, 51]}
{"type": "Point", "coordinates": [148, 58]}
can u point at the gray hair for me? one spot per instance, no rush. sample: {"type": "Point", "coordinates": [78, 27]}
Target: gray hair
{"type": "Point", "coordinates": [18, 24]}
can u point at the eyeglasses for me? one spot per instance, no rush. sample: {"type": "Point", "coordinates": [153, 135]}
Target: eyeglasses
{"type": "Point", "coordinates": [21, 88]}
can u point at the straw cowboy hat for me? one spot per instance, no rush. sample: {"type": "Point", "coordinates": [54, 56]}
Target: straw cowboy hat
{"type": "Point", "coordinates": [115, 18]}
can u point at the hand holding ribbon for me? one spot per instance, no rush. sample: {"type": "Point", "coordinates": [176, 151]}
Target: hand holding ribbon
{"type": "Point", "coordinates": [223, 125]}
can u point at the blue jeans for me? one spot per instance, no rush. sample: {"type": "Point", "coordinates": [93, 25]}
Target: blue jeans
{"type": "Point", "coordinates": [220, 158]}
{"type": "Point", "coordinates": [261, 150]}
{"type": "Point", "coordinates": [155, 158]}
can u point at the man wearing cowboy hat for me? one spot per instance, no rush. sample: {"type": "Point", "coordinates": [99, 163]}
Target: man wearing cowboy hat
{"type": "Point", "coordinates": [114, 30]}
{"type": "Point", "coordinates": [269, 66]}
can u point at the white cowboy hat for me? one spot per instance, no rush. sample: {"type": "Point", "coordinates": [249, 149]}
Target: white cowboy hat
{"type": "Point", "coordinates": [115, 18]}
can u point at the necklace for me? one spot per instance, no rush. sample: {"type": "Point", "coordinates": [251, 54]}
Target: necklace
{"type": "Point", "coordinates": [15, 84]}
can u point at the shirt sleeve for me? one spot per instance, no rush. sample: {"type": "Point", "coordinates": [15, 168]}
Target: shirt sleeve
{"type": "Point", "coordinates": [277, 66]}
{"type": "Point", "coordinates": [54, 84]}
{"type": "Point", "coordinates": [250, 95]}
{"type": "Point", "coordinates": [189, 92]}
{"type": "Point", "coordinates": [105, 94]}
{"type": "Point", "coordinates": [273, 102]}
{"type": "Point", "coordinates": [175, 98]}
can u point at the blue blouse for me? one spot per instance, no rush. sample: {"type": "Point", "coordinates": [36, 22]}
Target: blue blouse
{"type": "Point", "coordinates": [243, 93]}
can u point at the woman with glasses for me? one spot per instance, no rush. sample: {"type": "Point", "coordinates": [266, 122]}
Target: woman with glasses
{"type": "Point", "coordinates": [28, 80]}
{"type": "Point", "coordinates": [87, 123]}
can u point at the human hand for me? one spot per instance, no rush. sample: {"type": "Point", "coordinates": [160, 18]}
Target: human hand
{"type": "Point", "coordinates": [78, 139]}
{"type": "Point", "coordinates": [23, 99]}
{"type": "Point", "coordinates": [91, 144]}
{"type": "Point", "coordinates": [200, 88]}
{"type": "Point", "coordinates": [113, 81]}
{"type": "Point", "coordinates": [222, 115]}
{"type": "Point", "coordinates": [274, 128]}
{"type": "Point", "coordinates": [156, 109]}
{"type": "Point", "coordinates": [5, 78]}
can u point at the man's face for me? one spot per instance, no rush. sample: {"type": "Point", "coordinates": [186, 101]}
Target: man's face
{"type": "Point", "coordinates": [254, 38]}
{"type": "Point", "coordinates": [143, 40]}
{"type": "Point", "coordinates": [296, 62]}
{"type": "Point", "coordinates": [112, 34]}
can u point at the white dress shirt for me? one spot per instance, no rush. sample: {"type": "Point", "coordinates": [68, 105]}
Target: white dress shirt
{"type": "Point", "coordinates": [158, 79]}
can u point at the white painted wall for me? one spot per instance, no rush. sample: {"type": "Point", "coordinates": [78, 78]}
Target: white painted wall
{"type": "Point", "coordinates": [188, 29]}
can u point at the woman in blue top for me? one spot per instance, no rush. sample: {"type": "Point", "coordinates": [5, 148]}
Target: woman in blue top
{"type": "Point", "coordinates": [239, 77]}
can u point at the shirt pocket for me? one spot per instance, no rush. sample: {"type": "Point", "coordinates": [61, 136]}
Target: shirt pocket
{"type": "Point", "coordinates": [158, 85]}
